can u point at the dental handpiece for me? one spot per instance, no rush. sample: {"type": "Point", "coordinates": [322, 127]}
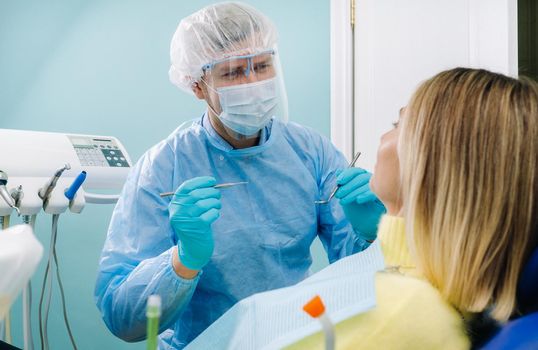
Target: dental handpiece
{"type": "Point", "coordinates": [72, 190]}
{"type": "Point", "coordinates": [45, 191]}
{"type": "Point", "coordinates": [4, 193]}
{"type": "Point", "coordinates": [17, 195]}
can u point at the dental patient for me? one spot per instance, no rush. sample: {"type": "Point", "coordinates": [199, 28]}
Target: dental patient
{"type": "Point", "coordinates": [458, 176]}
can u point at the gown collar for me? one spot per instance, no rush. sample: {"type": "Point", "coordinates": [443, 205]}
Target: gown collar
{"type": "Point", "coordinates": [268, 134]}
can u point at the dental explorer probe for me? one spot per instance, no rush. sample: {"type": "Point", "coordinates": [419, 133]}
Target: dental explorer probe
{"type": "Point", "coordinates": [45, 191]}
{"type": "Point", "coordinates": [224, 185]}
{"type": "Point", "coordinates": [5, 193]}
{"type": "Point", "coordinates": [325, 201]}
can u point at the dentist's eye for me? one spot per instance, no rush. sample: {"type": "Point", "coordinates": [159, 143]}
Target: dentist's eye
{"type": "Point", "coordinates": [395, 124]}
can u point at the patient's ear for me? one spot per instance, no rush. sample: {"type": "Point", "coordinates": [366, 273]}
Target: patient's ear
{"type": "Point", "coordinates": [198, 91]}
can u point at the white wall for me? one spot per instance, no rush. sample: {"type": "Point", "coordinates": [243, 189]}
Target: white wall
{"type": "Point", "coordinates": [399, 43]}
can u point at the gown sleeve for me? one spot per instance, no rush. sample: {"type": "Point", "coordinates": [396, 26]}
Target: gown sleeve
{"type": "Point", "coordinates": [136, 261]}
{"type": "Point", "coordinates": [334, 230]}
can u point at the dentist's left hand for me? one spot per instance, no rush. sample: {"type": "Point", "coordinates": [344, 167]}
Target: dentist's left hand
{"type": "Point", "coordinates": [360, 204]}
{"type": "Point", "coordinates": [194, 207]}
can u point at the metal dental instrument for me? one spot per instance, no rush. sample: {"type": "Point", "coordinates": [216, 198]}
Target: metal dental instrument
{"type": "Point", "coordinates": [4, 193]}
{"type": "Point", "coordinates": [224, 185]}
{"type": "Point", "coordinates": [45, 191]}
{"type": "Point", "coordinates": [325, 201]}
{"type": "Point", "coordinates": [17, 195]}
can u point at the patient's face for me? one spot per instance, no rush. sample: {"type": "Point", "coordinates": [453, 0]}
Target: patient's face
{"type": "Point", "coordinates": [385, 182]}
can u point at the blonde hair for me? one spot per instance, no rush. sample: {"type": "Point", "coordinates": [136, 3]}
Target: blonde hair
{"type": "Point", "coordinates": [468, 156]}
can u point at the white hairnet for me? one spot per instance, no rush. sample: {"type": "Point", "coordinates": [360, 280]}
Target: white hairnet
{"type": "Point", "coordinates": [215, 32]}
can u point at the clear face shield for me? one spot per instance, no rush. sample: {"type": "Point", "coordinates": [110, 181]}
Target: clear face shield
{"type": "Point", "coordinates": [246, 92]}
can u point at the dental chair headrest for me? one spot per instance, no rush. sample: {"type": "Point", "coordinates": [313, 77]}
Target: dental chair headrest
{"type": "Point", "coordinates": [527, 288]}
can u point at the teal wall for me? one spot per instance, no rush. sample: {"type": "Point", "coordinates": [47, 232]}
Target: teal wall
{"type": "Point", "coordinates": [101, 67]}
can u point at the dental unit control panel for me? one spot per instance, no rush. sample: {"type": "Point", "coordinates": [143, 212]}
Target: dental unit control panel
{"type": "Point", "coordinates": [38, 167]}
{"type": "Point", "coordinates": [93, 151]}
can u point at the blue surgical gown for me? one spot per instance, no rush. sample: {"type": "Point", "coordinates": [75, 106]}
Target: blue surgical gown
{"type": "Point", "coordinates": [262, 238]}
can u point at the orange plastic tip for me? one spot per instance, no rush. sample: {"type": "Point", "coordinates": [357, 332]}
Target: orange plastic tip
{"type": "Point", "coordinates": [314, 307]}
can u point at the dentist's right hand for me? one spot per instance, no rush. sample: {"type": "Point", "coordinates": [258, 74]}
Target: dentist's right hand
{"type": "Point", "coordinates": [194, 207]}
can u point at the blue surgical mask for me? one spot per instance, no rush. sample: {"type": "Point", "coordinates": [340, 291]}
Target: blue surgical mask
{"type": "Point", "coordinates": [248, 108]}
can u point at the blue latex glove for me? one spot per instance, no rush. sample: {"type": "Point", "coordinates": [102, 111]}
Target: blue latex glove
{"type": "Point", "coordinates": [194, 207]}
{"type": "Point", "coordinates": [360, 204]}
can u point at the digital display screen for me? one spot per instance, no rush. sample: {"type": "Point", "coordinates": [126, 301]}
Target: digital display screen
{"type": "Point", "coordinates": [102, 140]}
{"type": "Point", "coordinates": [78, 141]}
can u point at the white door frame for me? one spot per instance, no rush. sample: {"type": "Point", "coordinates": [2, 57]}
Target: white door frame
{"type": "Point", "coordinates": [492, 44]}
{"type": "Point", "coordinates": [342, 124]}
